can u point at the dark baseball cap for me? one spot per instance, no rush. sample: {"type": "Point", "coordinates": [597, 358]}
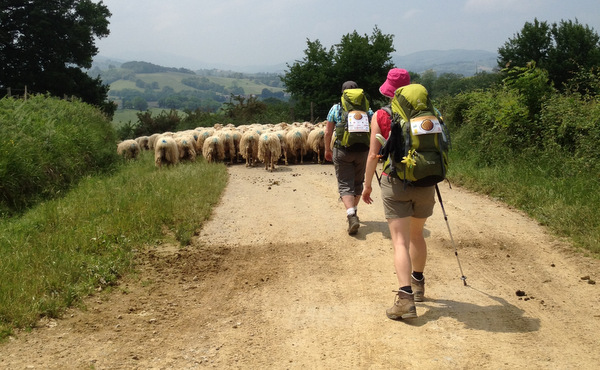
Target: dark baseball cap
{"type": "Point", "coordinates": [349, 85]}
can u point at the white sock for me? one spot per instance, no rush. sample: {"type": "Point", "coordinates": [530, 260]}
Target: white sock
{"type": "Point", "coordinates": [351, 211]}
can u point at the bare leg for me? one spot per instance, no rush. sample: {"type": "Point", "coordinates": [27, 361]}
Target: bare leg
{"type": "Point", "coordinates": [400, 231]}
{"type": "Point", "coordinates": [418, 246]}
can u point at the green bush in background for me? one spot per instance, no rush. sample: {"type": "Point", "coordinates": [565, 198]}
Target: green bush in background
{"type": "Point", "coordinates": [535, 149]}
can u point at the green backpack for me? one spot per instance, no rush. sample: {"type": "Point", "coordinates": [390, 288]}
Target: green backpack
{"type": "Point", "coordinates": [354, 128]}
{"type": "Point", "coordinates": [417, 148]}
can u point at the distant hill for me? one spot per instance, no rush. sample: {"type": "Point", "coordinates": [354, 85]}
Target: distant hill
{"type": "Point", "coordinates": [141, 85]}
{"type": "Point", "coordinates": [463, 62]}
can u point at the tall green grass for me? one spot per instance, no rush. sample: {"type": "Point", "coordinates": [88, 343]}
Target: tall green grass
{"type": "Point", "coordinates": [63, 249]}
{"type": "Point", "coordinates": [569, 206]}
{"type": "Point", "coordinates": [47, 145]}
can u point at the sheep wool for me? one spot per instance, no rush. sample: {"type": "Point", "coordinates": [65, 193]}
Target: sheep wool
{"type": "Point", "coordinates": [213, 149]}
{"type": "Point", "coordinates": [269, 150]}
{"type": "Point", "coordinates": [226, 138]}
{"type": "Point", "coordinates": [284, 152]}
{"type": "Point", "coordinates": [128, 149]}
{"type": "Point", "coordinates": [249, 147]}
{"type": "Point", "coordinates": [143, 142]}
{"type": "Point", "coordinates": [296, 139]}
{"type": "Point", "coordinates": [204, 132]}
{"type": "Point", "coordinates": [165, 151]}
{"type": "Point", "coordinates": [316, 142]}
{"type": "Point", "coordinates": [186, 145]}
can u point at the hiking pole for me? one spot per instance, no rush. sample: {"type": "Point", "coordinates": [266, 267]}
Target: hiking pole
{"type": "Point", "coordinates": [462, 277]}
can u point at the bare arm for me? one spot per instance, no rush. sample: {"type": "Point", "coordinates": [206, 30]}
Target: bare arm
{"type": "Point", "coordinates": [372, 160]}
{"type": "Point", "coordinates": [328, 135]}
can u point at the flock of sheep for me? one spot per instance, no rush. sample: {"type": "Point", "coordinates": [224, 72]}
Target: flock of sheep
{"type": "Point", "coordinates": [254, 143]}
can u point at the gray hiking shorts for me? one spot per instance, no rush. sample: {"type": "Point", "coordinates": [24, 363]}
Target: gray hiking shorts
{"type": "Point", "coordinates": [401, 201]}
{"type": "Point", "coordinates": [350, 170]}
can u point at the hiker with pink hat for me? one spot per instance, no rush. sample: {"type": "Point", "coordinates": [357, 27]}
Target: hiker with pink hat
{"type": "Point", "coordinates": [406, 209]}
{"type": "Point", "coordinates": [396, 78]}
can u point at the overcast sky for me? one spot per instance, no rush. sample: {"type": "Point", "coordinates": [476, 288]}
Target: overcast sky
{"type": "Point", "coordinates": [201, 33]}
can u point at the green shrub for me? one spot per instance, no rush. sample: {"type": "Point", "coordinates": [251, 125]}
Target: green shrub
{"type": "Point", "coordinates": [548, 167]}
{"type": "Point", "coordinates": [47, 145]}
{"type": "Point", "coordinates": [572, 123]}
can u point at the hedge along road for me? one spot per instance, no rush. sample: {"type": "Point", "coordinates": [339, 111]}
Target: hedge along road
{"type": "Point", "coordinates": [274, 281]}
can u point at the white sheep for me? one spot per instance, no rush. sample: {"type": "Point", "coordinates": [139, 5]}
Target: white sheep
{"type": "Point", "coordinates": [186, 145]}
{"type": "Point", "coordinates": [204, 133]}
{"type": "Point", "coordinates": [269, 150]}
{"type": "Point", "coordinates": [213, 149]}
{"type": "Point", "coordinates": [316, 142]}
{"type": "Point", "coordinates": [237, 136]}
{"type": "Point", "coordinates": [249, 147]}
{"type": "Point", "coordinates": [152, 141]}
{"type": "Point", "coordinates": [143, 142]}
{"type": "Point", "coordinates": [128, 149]}
{"type": "Point", "coordinates": [284, 152]}
{"type": "Point", "coordinates": [296, 139]}
{"type": "Point", "coordinates": [226, 138]}
{"type": "Point", "coordinates": [165, 151]}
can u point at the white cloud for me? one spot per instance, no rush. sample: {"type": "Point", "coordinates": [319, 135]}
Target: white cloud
{"type": "Point", "coordinates": [493, 6]}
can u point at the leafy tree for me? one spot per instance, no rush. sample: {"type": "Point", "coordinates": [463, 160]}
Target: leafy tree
{"type": "Point", "coordinates": [148, 125]}
{"type": "Point", "coordinates": [451, 84]}
{"type": "Point", "coordinates": [243, 110]}
{"type": "Point", "coordinates": [531, 44]}
{"type": "Point", "coordinates": [533, 85]}
{"type": "Point", "coordinates": [44, 44]}
{"type": "Point", "coordinates": [139, 103]}
{"type": "Point", "coordinates": [577, 47]}
{"type": "Point", "coordinates": [562, 49]}
{"type": "Point", "coordinates": [318, 77]}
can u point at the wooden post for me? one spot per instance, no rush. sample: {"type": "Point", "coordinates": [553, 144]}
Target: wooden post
{"type": "Point", "coordinates": [8, 92]}
{"type": "Point", "coordinates": [25, 94]}
{"type": "Point", "coordinates": [312, 106]}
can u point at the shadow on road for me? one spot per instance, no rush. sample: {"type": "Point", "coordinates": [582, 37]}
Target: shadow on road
{"type": "Point", "coordinates": [498, 316]}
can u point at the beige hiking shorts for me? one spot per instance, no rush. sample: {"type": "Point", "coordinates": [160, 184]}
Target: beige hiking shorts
{"type": "Point", "coordinates": [400, 200]}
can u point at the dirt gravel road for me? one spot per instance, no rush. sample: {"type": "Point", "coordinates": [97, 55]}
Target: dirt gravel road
{"type": "Point", "coordinates": [273, 281]}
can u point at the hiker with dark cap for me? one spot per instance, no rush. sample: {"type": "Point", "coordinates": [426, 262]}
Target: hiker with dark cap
{"type": "Point", "coordinates": [348, 125]}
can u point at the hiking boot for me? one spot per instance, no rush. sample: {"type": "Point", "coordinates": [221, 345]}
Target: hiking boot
{"type": "Point", "coordinates": [403, 308]}
{"type": "Point", "coordinates": [418, 288]}
{"type": "Point", "coordinates": [353, 224]}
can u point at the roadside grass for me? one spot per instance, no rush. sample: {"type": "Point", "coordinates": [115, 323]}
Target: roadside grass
{"type": "Point", "coordinates": [64, 249]}
{"type": "Point", "coordinates": [567, 203]}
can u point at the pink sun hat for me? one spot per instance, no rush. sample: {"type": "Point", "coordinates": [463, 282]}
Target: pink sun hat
{"type": "Point", "coordinates": [396, 78]}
